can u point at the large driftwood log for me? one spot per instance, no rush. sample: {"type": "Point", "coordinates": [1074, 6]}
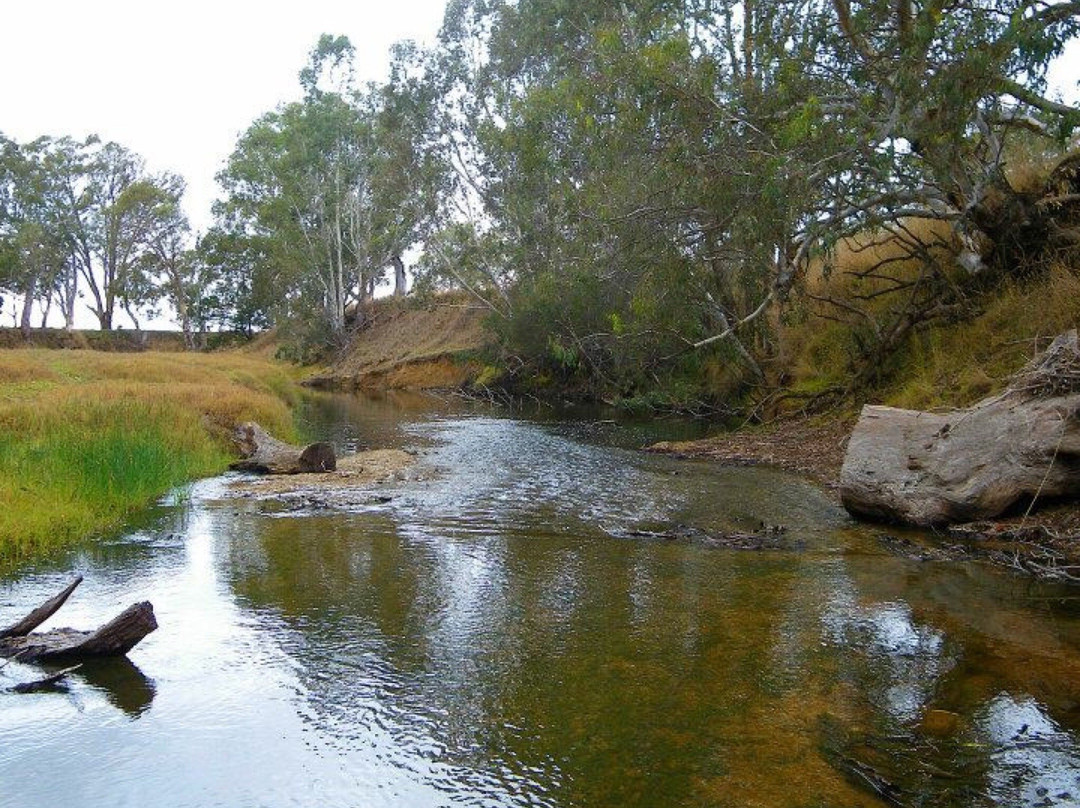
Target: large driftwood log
{"type": "Point", "coordinates": [267, 455]}
{"type": "Point", "coordinates": [927, 469]}
{"type": "Point", "coordinates": [115, 638]}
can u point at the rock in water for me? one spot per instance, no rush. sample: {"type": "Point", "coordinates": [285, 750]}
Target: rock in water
{"type": "Point", "coordinates": [928, 469]}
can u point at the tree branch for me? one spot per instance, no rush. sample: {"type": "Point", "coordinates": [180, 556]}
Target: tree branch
{"type": "Point", "coordinates": [731, 329]}
{"type": "Point", "coordinates": [1021, 93]}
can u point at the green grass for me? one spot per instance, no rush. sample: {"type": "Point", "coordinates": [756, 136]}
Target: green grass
{"type": "Point", "coordinates": [86, 438]}
{"type": "Point", "coordinates": [959, 364]}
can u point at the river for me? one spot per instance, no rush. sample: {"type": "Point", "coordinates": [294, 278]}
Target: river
{"type": "Point", "coordinates": [484, 633]}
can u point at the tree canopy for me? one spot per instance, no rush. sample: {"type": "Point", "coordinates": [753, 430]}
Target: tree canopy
{"type": "Point", "coordinates": [85, 220]}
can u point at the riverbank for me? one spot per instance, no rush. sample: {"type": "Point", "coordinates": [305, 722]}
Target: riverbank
{"type": "Point", "coordinates": [813, 447]}
{"type": "Point", "coordinates": [1044, 542]}
{"type": "Point", "coordinates": [86, 437]}
{"type": "Point", "coordinates": [406, 344]}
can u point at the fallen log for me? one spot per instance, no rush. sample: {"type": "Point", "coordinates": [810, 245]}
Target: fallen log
{"type": "Point", "coordinates": [929, 469]}
{"type": "Point", "coordinates": [41, 613]}
{"type": "Point", "coordinates": [260, 452]}
{"type": "Point", "coordinates": [115, 638]}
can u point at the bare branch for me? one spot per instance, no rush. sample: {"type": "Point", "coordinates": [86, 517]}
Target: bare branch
{"type": "Point", "coordinates": [731, 329]}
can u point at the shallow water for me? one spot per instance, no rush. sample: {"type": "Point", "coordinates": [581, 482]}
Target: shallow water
{"type": "Point", "coordinates": [485, 638]}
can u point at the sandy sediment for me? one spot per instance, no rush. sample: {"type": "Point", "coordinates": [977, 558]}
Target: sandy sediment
{"type": "Point", "coordinates": [812, 447]}
{"type": "Point", "coordinates": [359, 471]}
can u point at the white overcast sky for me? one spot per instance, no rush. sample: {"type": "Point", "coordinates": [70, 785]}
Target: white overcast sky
{"type": "Point", "coordinates": [178, 82]}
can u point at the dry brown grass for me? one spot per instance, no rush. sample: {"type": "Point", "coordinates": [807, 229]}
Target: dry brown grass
{"type": "Point", "coordinates": [857, 290]}
{"type": "Point", "coordinates": [868, 267]}
{"type": "Point", "coordinates": [847, 299]}
{"type": "Point", "coordinates": [957, 365]}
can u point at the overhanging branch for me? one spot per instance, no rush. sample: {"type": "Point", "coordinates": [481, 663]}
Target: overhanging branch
{"type": "Point", "coordinates": [1033, 99]}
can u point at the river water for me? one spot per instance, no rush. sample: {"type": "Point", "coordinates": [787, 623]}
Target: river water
{"type": "Point", "coordinates": [485, 633]}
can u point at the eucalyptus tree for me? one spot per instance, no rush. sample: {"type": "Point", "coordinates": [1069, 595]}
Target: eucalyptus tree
{"type": "Point", "coordinates": [655, 175]}
{"type": "Point", "coordinates": [168, 261]}
{"type": "Point", "coordinates": [925, 101]}
{"type": "Point", "coordinates": [295, 182]}
{"type": "Point", "coordinates": [407, 174]}
{"type": "Point", "coordinates": [33, 227]}
{"type": "Point", "coordinates": [111, 215]}
{"type": "Point", "coordinates": [609, 157]}
{"type": "Point", "coordinates": [323, 194]}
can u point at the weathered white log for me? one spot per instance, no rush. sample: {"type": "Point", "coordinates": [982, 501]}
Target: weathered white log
{"type": "Point", "coordinates": [267, 455]}
{"type": "Point", "coordinates": [927, 469]}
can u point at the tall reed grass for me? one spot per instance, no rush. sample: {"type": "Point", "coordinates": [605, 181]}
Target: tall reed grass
{"type": "Point", "coordinates": [87, 437]}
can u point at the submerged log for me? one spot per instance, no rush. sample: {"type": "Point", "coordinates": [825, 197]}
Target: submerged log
{"type": "Point", "coordinates": [927, 469]}
{"type": "Point", "coordinates": [115, 638]}
{"type": "Point", "coordinates": [267, 455]}
{"type": "Point", "coordinates": [766, 537]}
{"type": "Point", "coordinates": [41, 613]}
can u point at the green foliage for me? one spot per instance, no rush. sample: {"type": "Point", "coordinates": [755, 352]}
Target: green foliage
{"type": "Point", "coordinates": [651, 175]}
{"type": "Point", "coordinates": [324, 194]}
{"type": "Point", "coordinates": [88, 218]}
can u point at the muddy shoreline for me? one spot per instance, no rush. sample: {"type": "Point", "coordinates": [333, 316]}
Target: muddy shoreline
{"type": "Point", "coordinates": [1044, 542]}
{"type": "Point", "coordinates": [811, 447]}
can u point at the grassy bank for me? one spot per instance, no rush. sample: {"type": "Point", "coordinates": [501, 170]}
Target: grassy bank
{"type": "Point", "coordinates": [86, 437]}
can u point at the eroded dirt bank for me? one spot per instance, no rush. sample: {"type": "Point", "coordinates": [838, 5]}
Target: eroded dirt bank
{"type": "Point", "coordinates": [405, 345]}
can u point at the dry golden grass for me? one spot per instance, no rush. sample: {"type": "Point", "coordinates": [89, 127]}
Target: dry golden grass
{"type": "Point", "coordinates": [865, 266]}
{"type": "Point", "coordinates": [960, 364]}
{"type": "Point", "coordinates": [847, 296]}
{"type": "Point", "coordinates": [849, 290]}
{"type": "Point", "coordinates": [85, 437]}
{"type": "Point", "coordinates": [1029, 165]}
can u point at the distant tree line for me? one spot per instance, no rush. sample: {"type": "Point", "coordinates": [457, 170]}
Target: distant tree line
{"type": "Point", "coordinates": [85, 220]}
